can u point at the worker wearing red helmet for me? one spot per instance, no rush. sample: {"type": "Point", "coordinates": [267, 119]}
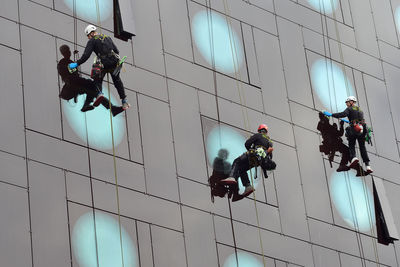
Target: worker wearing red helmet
{"type": "Point", "coordinates": [259, 153]}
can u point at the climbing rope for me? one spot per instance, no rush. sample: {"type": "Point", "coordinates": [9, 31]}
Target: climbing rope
{"type": "Point", "coordinates": [348, 184]}
{"type": "Point", "coordinates": [234, 52]}
{"type": "Point", "coordinates": [113, 147]}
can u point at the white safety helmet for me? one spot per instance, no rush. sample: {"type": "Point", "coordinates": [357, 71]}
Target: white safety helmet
{"type": "Point", "coordinates": [351, 98]}
{"type": "Point", "coordinates": [90, 28]}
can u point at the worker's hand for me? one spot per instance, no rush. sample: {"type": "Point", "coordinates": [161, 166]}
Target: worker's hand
{"type": "Point", "coordinates": [269, 150]}
{"type": "Point", "coordinates": [72, 65]}
{"type": "Point", "coordinates": [326, 113]}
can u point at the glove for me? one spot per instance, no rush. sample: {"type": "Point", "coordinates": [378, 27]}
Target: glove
{"type": "Point", "coordinates": [72, 65]}
{"type": "Point", "coordinates": [326, 113]}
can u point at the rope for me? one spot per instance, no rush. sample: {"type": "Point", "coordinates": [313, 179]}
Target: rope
{"type": "Point", "coordinates": [365, 191]}
{"type": "Point", "coordinates": [244, 112]}
{"type": "Point", "coordinates": [113, 147]}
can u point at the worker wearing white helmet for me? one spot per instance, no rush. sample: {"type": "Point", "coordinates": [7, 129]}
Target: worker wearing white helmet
{"type": "Point", "coordinates": [108, 54]}
{"type": "Point", "coordinates": [355, 131]}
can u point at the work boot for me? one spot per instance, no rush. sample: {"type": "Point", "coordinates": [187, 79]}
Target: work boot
{"type": "Point", "coordinates": [87, 108]}
{"type": "Point", "coordinates": [125, 104]}
{"type": "Point", "coordinates": [369, 170]}
{"type": "Point", "coordinates": [343, 168]}
{"type": "Point", "coordinates": [354, 163]}
{"type": "Point", "coordinates": [116, 110]}
{"type": "Point", "coordinates": [247, 191]}
{"type": "Point", "coordinates": [228, 181]}
{"type": "Point", "coordinates": [236, 197]}
{"type": "Point", "coordinates": [98, 100]}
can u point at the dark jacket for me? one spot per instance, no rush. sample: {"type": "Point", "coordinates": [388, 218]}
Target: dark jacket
{"type": "Point", "coordinates": [258, 140]}
{"type": "Point", "coordinates": [68, 91]}
{"type": "Point", "coordinates": [354, 114]}
{"type": "Point", "coordinates": [102, 45]}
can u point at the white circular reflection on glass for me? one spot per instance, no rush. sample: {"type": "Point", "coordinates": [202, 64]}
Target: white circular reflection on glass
{"type": "Point", "coordinates": [324, 6]}
{"type": "Point", "coordinates": [97, 121]}
{"type": "Point", "coordinates": [244, 260]}
{"type": "Point", "coordinates": [397, 18]}
{"type": "Point", "coordinates": [216, 40]}
{"type": "Point", "coordinates": [86, 9]}
{"type": "Point", "coordinates": [223, 137]}
{"type": "Point", "coordinates": [330, 84]}
{"type": "Point", "coordinates": [353, 200]}
{"type": "Point", "coordinates": [99, 239]}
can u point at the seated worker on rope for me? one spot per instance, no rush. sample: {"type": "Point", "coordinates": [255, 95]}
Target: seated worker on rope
{"type": "Point", "coordinates": [109, 61]}
{"type": "Point", "coordinates": [357, 130]}
{"type": "Point", "coordinates": [259, 153]}
{"type": "Point", "coordinates": [76, 85]}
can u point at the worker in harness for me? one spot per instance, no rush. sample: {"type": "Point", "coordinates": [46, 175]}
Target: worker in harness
{"type": "Point", "coordinates": [108, 61]}
{"type": "Point", "coordinates": [357, 130]}
{"type": "Point", "coordinates": [259, 153]}
{"type": "Point", "coordinates": [75, 85]}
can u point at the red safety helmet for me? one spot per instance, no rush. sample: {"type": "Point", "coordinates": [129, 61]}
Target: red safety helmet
{"type": "Point", "coordinates": [263, 127]}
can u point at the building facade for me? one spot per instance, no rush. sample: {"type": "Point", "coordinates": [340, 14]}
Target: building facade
{"type": "Point", "coordinates": [77, 189]}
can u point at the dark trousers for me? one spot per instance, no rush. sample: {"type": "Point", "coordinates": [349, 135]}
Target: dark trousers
{"type": "Point", "coordinates": [116, 80]}
{"type": "Point", "coordinates": [352, 136]}
{"type": "Point", "coordinates": [88, 87]}
{"type": "Point", "coordinates": [240, 167]}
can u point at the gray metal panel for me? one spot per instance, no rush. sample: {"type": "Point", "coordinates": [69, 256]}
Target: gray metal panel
{"type": "Point", "coordinates": [175, 28]}
{"type": "Point", "coordinates": [350, 261]}
{"type": "Point", "coordinates": [324, 257]}
{"type": "Point", "coordinates": [239, 92]}
{"type": "Point", "coordinates": [294, 62]}
{"type": "Point", "coordinates": [332, 237]}
{"type": "Point", "coordinates": [290, 193]}
{"type": "Point", "coordinates": [148, 48]}
{"type": "Point", "coordinates": [175, 254]}
{"type": "Point", "coordinates": [189, 73]}
{"type": "Point", "coordinates": [199, 235]}
{"type": "Point", "coordinates": [48, 216]}
{"type": "Point", "coordinates": [13, 169]}
{"type": "Point", "coordinates": [15, 245]}
{"type": "Point", "coordinates": [251, 57]}
{"type": "Point", "coordinates": [313, 175]}
{"type": "Point", "coordinates": [384, 21]}
{"type": "Point", "coordinates": [300, 14]}
{"type": "Point", "coordinates": [145, 247]}
{"type": "Point", "coordinates": [12, 130]}
{"type": "Point", "coordinates": [271, 75]}
{"type": "Point", "coordinates": [78, 188]}
{"type": "Point", "coordinates": [364, 27]}
{"type": "Point", "coordinates": [186, 125]}
{"type": "Point", "coordinates": [158, 150]}
{"type": "Point", "coordinates": [41, 94]}
{"type": "Point", "coordinates": [9, 33]}
{"type": "Point", "coordinates": [392, 76]}
{"type": "Point", "coordinates": [57, 153]}
{"type": "Point", "coordinates": [129, 174]}
{"type": "Point", "coordinates": [378, 104]}
{"type": "Point", "coordinates": [10, 9]}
